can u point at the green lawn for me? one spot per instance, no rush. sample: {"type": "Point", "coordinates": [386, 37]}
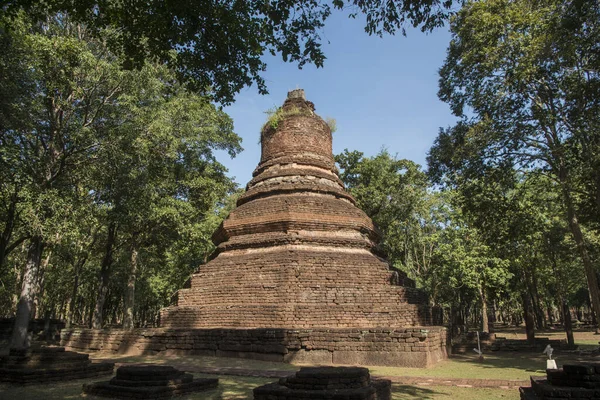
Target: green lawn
{"type": "Point", "coordinates": [404, 392]}
{"type": "Point", "coordinates": [494, 366]}
{"type": "Point", "coordinates": [241, 388]}
{"type": "Point", "coordinates": [517, 366]}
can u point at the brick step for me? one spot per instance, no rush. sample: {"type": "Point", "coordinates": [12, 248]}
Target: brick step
{"type": "Point", "coordinates": [36, 375]}
{"type": "Point", "coordinates": [155, 392]}
{"type": "Point", "coordinates": [183, 378]}
{"type": "Point", "coordinates": [543, 389]}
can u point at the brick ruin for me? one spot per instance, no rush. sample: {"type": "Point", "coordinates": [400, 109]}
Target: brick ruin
{"type": "Point", "coordinates": [574, 381]}
{"type": "Point", "coordinates": [327, 383]}
{"type": "Point", "coordinates": [149, 382]}
{"type": "Point", "coordinates": [296, 252]}
{"type": "Point", "coordinates": [49, 364]}
{"type": "Point", "coordinates": [298, 255]}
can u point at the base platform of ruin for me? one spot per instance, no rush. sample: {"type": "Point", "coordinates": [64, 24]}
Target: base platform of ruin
{"type": "Point", "coordinates": [572, 381]}
{"type": "Point", "coordinates": [410, 347]}
{"type": "Point", "coordinates": [49, 364]}
{"type": "Point", "coordinates": [327, 383]}
{"type": "Point", "coordinates": [149, 382]}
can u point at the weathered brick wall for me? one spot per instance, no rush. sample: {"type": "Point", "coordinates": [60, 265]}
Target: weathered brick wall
{"type": "Point", "coordinates": [303, 132]}
{"type": "Point", "coordinates": [297, 252]}
{"type": "Point", "coordinates": [412, 347]}
{"type": "Point", "coordinates": [294, 289]}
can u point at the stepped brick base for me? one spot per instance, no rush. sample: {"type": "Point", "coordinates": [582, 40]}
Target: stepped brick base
{"type": "Point", "coordinates": [580, 381]}
{"type": "Point", "coordinates": [297, 257]}
{"type": "Point", "coordinates": [149, 382]}
{"type": "Point", "coordinates": [326, 383]}
{"type": "Point", "coordinates": [48, 364]}
{"type": "Point", "coordinates": [409, 347]}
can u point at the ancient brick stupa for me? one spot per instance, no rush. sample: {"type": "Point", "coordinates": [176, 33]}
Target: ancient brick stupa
{"type": "Point", "coordinates": [297, 253]}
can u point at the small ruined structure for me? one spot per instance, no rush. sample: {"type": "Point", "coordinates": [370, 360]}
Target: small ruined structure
{"type": "Point", "coordinates": [331, 383]}
{"type": "Point", "coordinates": [297, 274]}
{"type": "Point", "coordinates": [149, 382]}
{"type": "Point", "coordinates": [576, 381]}
{"type": "Point", "coordinates": [48, 364]}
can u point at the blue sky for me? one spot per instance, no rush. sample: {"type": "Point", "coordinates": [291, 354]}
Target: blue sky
{"type": "Point", "coordinates": [381, 92]}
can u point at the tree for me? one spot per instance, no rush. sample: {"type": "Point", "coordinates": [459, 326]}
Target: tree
{"type": "Point", "coordinates": [56, 129]}
{"type": "Point", "coordinates": [219, 44]}
{"type": "Point", "coordinates": [160, 174]}
{"type": "Point", "coordinates": [394, 194]}
{"type": "Point", "coordinates": [470, 264]}
{"type": "Point", "coordinates": [69, 116]}
{"type": "Point", "coordinates": [523, 76]}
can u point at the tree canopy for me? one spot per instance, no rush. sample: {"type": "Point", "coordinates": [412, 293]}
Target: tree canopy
{"type": "Point", "coordinates": [101, 165]}
{"type": "Point", "coordinates": [524, 78]}
{"type": "Point", "coordinates": [216, 46]}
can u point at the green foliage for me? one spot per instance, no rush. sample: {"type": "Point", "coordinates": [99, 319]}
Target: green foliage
{"type": "Point", "coordinates": [277, 115]}
{"type": "Point", "coordinates": [332, 124]}
{"type": "Point", "coordinates": [217, 47]}
{"type": "Point", "coordinates": [395, 194]}
{"type": "Point", "coordinates": [523, 77]}
{"type": "Point", "coordinates": [92, 148]}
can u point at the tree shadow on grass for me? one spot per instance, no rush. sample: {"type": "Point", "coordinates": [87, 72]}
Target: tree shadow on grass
{"type": "Point", "coordinates": [46, 391]}
{"type": "Point", "coordinates": [530, 362]}
{"type": "Point", "coordinates": [192, 361]}
{"type": "Point", "coordinates": [402, 392]}
{"type": "Point", "coordinates": [533, 363]}
{"type": "Point", "coordinates": [228, 388]}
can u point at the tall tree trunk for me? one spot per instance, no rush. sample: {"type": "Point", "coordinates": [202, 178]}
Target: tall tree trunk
{"type": "Point", "coordinates": [8, 228]}
{"type": "Point", "coordinates": [537, 303]}
{"type": "Point", "coordinates": [590, 271]}
{"type": "Point", "coordinates": [107, 261]}
{"type": "Point", "coordinates": [528, 316]}
{"type": "Point", "coordinates": [485, 326]}
{"type": "Point", "coordinates": [20, 339]}
{"type": "Point", "coordinates": [567, 323]}
{"type": "Point", "coordinates": [73, 302]}
{"type": "Point", "coordinates": [39, 290]}
{"type": "Point", "coordinates": [77, 268]}
{"type": "Point", "coordinates": [129, 300]}
{"type": "Point", "coordinates": [575, 229]}
{"type": "Point", "coordinates": [563, 306]}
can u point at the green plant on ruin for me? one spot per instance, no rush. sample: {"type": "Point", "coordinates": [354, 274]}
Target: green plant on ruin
{"type": "Point", "coordinates": [331, 123]}
{"type": "Point", "coordinates": [277, 115]}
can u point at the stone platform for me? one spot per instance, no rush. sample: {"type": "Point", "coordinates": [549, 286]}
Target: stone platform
{"type": "Point", "coordinates": [409, 347]}
{"type": "Point", "coordinates": [331, 383]}
{"type": "Point", "coordinates": [48, 364]}
{"type": "Point", "coordinates": [579, 381]}
{"type": "Point", "coordinates": [149, 382]}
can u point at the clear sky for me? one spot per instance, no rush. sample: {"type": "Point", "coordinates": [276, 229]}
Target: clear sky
{"type": "Point", "coordinates": [381, 92]}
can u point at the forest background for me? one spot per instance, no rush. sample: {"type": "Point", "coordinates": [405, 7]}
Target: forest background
{"type": "Point", "coordinates": [111, 119]}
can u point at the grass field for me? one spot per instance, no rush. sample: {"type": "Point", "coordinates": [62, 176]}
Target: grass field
{"type": "Point", "coordinates": [241, 388]}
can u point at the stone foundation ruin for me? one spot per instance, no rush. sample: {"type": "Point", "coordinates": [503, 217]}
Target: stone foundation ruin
{"type": "Point", "coordinates": [298, 262]}
{"type": "Point", "coordinates": [577, 381]}
{"type": "Point", "coordinates": [327, 383]}
{"type": "Point", "coordinates": [149, 382]}
{"type": "Point", "coordinates": [49, 364]}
